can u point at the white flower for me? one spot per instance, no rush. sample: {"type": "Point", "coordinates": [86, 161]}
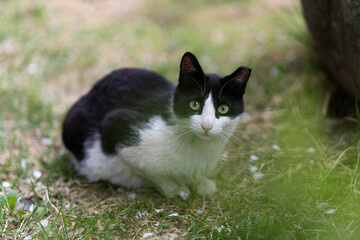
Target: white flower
{"type": "Point", "coordinates": [159, 210]}
{"type": "Point", "coordinates": [132, 195]}
{"type": "Point", "coordinates": [140, 215]}
{"type": "Point", "coordinates": [219, 229]}
{"type": "Point", "coordinates": [276, 147]}
{"type": "Point", "coordinates": [44, 222]}
{"type": "Point", "coordinates": [258, 175]}
{"type": "Point", "coordinates": [6, 184]}
{"type": "Point", "coordinates": [330, 211]}
{"type": "Point", "coordinates": [173, 215]}
{"type": "Point", "coordinates": [254, 158]}
{"type": "Point", "coordinates": [145, 235]}
{"type": "Point", "coordinates": [46, 141]}
{"type": "Point", "coordinates": [37, 174]}
{"type": "Point", "coordinates": [198, 211]}
{"type": "Point", "coordinates": [253, 169]}
{"type": "Point", "coordinates": [32, 207]}
{"type": "Point", "coordinates": [23, 164]}
{"type": "Point", "coordinates": [310, 150]}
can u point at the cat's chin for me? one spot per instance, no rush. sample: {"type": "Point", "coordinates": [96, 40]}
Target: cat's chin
{"type": "Point", "coordinates": [204, 136]}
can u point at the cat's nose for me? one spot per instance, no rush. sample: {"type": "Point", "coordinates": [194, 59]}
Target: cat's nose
{"type": "Point", "coordinates": [206, 128]}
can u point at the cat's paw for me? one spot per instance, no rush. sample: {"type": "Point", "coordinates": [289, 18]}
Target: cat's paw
{"type": "Point", "coordinates": [184, 195]}
{"type": "Point", "coordinates": [181, 191]}
{"type": "Point", "coordinates": [206, 186]}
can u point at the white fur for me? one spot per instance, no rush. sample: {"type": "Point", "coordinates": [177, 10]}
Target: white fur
{"type": "Point", "coordinates": [98, 166]}
{"type": "Point", "coordinates": [173, 157]}
{"type": "Point", "coordinates": [208, 114]}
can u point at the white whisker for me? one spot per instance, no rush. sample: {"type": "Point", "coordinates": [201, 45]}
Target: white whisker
{"type": "Point", "coordinates": [224, 87]}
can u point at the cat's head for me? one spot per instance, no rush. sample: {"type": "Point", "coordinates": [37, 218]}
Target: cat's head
{"type": "Point", "coordinates": [208, 105]}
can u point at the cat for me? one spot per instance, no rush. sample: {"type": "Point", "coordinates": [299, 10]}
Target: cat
{"type": "Point", "coordinates": [136, 129]}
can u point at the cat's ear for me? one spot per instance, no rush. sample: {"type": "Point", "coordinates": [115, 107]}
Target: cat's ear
{"type": "Point", "coordinates": [238, 79]}
{"type": "Point", "coordinates": [190, 66]}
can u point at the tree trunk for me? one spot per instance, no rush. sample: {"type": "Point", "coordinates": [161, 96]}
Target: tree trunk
{"type": "Point", "coordinates": [335, 29]}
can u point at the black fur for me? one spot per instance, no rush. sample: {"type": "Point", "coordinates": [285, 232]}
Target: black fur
{"type": "Point", "coordinates": [121, 99]}
{"type": "Point", "coordinates": [195, 85]}
{"type": "Point", "coordinates": [126, 99]}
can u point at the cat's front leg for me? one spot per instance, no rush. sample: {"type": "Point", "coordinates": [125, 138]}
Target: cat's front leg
{"type": "Point", "coordinates": [171, 189]}
{"type": "Point", "coordinates": [205, 186]}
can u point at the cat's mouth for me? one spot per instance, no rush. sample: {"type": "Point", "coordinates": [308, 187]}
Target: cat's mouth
{"type": "Point", "coordinates": [205, 135]}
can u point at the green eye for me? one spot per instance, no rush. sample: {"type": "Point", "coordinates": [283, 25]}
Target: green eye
{"type": "Point", "coordinates": [195, 105]}
{"type": "Point", "coordinates": [223, 109]}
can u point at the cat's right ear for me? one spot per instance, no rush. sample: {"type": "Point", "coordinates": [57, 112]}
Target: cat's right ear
{"type": "Point", "coordinates": [238, 79]}
{"type": "Point", "coordinates": [190, 66]}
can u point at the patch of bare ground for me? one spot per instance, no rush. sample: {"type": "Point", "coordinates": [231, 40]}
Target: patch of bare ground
{"type": "Point", "coordinates": [237, 11]}
{"type": "Point", "coordinates": [95, 12]}
{"type": "Point", "coordinates": [258, 8]}
{"type": "Point", "coordinates": [85, 15]}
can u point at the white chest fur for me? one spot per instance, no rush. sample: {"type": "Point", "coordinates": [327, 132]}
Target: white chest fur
{"type": "Point", "coordinates": [162, 152]}
{"type": "Point", "coordinates": [164, 156]}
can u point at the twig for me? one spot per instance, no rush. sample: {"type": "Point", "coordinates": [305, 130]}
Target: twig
{"type": "Point", "coordinates": [48, 199]}
{"type": "Point", "coordinates": [338, 160]}
{"type": "Point", "coordinates": [97, 205]}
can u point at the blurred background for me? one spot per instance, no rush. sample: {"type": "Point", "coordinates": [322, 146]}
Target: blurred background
{"type": "Point", "coordinates": [291, 171]}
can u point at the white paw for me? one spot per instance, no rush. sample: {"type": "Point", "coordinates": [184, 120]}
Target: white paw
{"type": "Point", "coordinates": [172, 189]}
{"type": "Point", "coordinates": [183, 192]}
{"type": "Point", "coordinates": [184, 195]}
{"type": "Point", "coordinates": [205, 187]}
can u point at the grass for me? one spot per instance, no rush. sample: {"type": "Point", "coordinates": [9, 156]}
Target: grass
{"type": "Point", "coordinates": [52, 52]}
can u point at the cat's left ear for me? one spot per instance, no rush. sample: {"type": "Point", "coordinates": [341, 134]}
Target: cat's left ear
{"type": "Point", "coordinates": [190, 66]}
{"type": "Point", "coordinates": [238, 79]}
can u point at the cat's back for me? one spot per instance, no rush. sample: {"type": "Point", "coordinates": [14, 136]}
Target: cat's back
{"type": "Point", "coordinates": [132, 89]}
{"type": "Point", "coordinates": [129, 86]}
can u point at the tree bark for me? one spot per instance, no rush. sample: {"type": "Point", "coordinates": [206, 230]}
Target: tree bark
{"type": "Point", "coordinates": [335, 29]}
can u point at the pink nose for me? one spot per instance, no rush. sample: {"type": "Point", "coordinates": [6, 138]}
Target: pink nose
{"type": "Point", "coordinates": [206, 128]}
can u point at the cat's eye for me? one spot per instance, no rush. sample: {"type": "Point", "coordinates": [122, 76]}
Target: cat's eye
{"type": "Point", "coordinates": [223, 109]}
{"type": "Point", "coordinates": [195, 105]}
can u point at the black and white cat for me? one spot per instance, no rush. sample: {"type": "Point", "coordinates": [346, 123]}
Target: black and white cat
{"type": "Point", "coordinates": [136, 129]}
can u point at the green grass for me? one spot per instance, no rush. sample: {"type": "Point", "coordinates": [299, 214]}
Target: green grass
{"type": "Point", "coordinates": [52, 52]}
